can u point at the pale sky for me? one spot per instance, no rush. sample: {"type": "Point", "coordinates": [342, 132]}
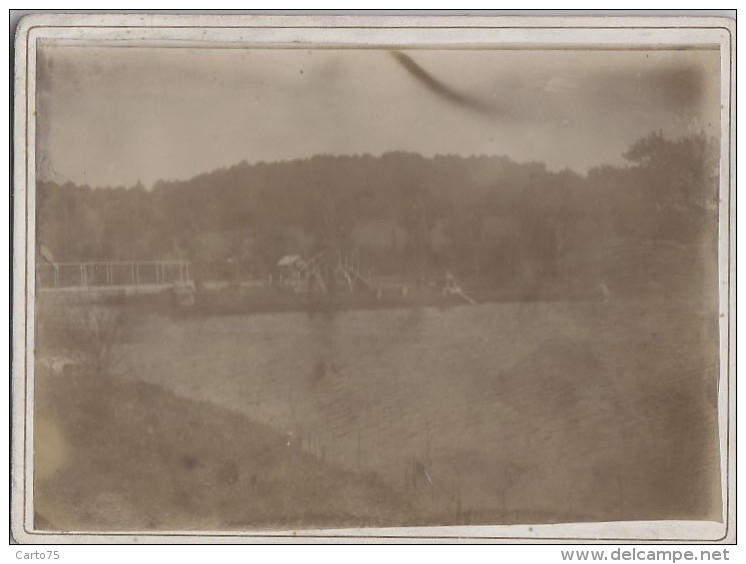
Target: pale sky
{"type": "Point", "coordinates": [110, 116]}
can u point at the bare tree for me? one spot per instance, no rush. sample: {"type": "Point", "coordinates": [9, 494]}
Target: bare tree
{"type": "Point", "coordinates": [94, 337]}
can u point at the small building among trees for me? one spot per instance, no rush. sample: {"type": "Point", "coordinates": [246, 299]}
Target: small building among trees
{"type": "Point", "coordinates": [289, 269]}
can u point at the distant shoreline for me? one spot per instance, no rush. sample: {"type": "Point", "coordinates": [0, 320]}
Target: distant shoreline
{"type": "Point", "coordinates": [235, 300]}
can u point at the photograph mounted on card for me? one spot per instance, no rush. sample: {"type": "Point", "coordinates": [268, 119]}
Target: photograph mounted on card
{"type": "Point", "coordinates": [392, 279]}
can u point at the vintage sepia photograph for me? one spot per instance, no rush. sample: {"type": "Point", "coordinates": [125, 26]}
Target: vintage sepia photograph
{"type": "Point", "coordinates": [293, 277]}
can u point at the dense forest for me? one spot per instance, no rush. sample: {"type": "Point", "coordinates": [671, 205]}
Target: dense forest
{"type": "Point", "coordinates": [487, 219]}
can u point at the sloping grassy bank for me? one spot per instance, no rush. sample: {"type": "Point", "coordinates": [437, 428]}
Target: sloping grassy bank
{"type": "Point", "coordinates": [131, 456]}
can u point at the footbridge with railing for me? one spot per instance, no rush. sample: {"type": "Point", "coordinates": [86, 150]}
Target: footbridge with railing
{"type": "Point", "coordinates": [128, 277]}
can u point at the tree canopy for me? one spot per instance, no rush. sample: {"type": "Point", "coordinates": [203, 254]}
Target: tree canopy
{"type": "Point", "coordinates": [484, 217]}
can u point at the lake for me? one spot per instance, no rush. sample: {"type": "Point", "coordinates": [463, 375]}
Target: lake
{"type": "Point", "coordinates": [501, 412]}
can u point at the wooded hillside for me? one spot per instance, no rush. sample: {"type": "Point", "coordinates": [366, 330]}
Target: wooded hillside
{"type": "Point", "coordinates": [484, 218]}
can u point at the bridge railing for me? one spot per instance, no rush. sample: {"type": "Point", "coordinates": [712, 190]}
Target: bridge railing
{"type": "Point", "coordinates": [111, 274]}
{"type": "Point", "coordinates": [316, 269]}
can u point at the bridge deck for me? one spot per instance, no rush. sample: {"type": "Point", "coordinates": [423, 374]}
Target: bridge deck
{"type": "Point", "coordinates": [112, 276]}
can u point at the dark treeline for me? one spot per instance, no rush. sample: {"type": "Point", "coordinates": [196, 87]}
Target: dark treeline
{"type": "Point", "coordinates": [486, 219]}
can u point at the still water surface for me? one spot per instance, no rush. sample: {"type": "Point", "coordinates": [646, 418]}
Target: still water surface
{"type": "Point", "coordinates": [545, 409]}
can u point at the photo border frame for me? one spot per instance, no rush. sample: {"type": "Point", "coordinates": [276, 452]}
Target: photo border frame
{"type": "Point", "coordinates": [364, 32]}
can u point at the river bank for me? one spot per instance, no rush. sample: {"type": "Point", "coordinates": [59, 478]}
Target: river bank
{"type": "Point", "coordinates": [232, 299]}
{"type": "Point", "coordinates": [112, 455]}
